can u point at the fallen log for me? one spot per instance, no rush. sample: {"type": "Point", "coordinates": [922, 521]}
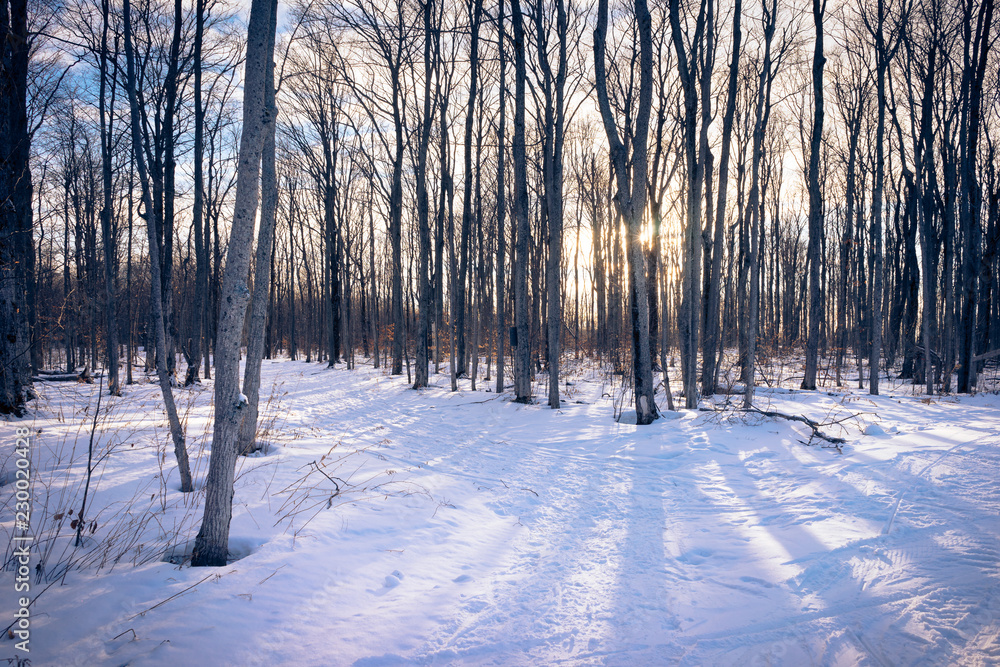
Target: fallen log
{"type": "Point", "coordinates": [66, 377]}
{"type": "Point", "coordinates": [987, 355]}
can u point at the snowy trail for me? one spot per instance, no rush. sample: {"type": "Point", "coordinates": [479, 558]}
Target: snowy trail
{"type": "Point", "coordinates": [540, 537]}
{"type": "Point", "coordinates": [614, 548]}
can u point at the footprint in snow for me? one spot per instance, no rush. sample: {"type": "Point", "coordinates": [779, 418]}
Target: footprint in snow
{"type": "Point", "coordinates": [462, 578]}
{"type": "Point", "coordinates": [696, 556]}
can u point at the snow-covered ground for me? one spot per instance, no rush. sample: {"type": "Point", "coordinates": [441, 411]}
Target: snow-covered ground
{"type": "Point", "coordinates": [470, 530]}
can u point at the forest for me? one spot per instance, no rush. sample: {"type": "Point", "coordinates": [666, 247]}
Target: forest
{"type": "Point", "coordinates": [686, 197]}
{"type": "Point", "coordinates": [683, 179]}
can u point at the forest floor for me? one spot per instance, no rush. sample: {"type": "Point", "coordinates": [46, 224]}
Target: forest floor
{"type": "Point", "coordinates": [470, 530]}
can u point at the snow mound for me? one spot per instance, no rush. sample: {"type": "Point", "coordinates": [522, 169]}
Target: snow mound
{"type": "Point", "coordinates": [627, 417]}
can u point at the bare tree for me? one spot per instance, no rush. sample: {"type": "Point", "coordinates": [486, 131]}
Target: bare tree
{"type": "Point", "coordinates": [176, 430]}
{"type": "Point", "coordinates": [553, 85]}
{"type": "Point", "coordinates": [886, 35]}
{"type": "Point", "coordinates": [771, 61]}
{"type": "Point", "coordinates": [501, 201]}
{"type": "Point", "coordinates": [816, 227]}
{"type": "Point", "coordinates": [194, 353]}
{"type": "Point", "coordinates": [687, 68]}
{"type": "Point", "coordinates": [15, 214]}
{"type": "Point", "coordinates": [630, 176]}
{"type": "Point", "coordinates": [425, 295]}
{"type": "Point", "coordinates": [212, 544]}
{"type": "Point", "coordinates": [263, 267]}
{"type": "Point", "coordinates": [520, 342]}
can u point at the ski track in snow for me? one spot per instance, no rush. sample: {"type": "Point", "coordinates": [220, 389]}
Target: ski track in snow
{"type": "Point", "coordinates": [540, 537]}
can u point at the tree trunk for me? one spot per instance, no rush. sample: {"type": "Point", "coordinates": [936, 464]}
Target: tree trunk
{"type": "Point", "coordinates": [108, 237]}
{"type": "Point", "coordinates": [815, 205]}
{"type": "Point", "coordinates": [198, 210]}
{"type": "Point", "coordinates": [755, 204]}
{"type": "Point", "coordinates": [212, 544]}
{"type": "Point", "coordinates": [521, 342]}
{"type": "Point", "coordinates": [690, 315]}
{"type": "Point", "coordinates": [263, 266]}
{"type": "Point", "coordinates": [463, 270]}
{"type": "Point", "coordinates": [713, 339]}
{"type": "Point", "coordinates": [425, 294]}
{"type": "Point", "coordinates": [977, 44]}
{"type": "Point", "coordinates": [552, 168]}
{"type": "Point", "coordinates": [169, 169]}
{"type": "Point", "coordinates": [176, 430]}
{"type": "Point", "coordinates": [16, 214]}
{"type": "Point", "coordinates": [501, 330]}
{"type": "Point", "coordinates": [632, 195]}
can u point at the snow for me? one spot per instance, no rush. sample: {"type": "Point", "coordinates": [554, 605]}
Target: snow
{"type": "Point", "coordinates": [386, 526]}
{"type": "Point", "coordinates": [874, 429]}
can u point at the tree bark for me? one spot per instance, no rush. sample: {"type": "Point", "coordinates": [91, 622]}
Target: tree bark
{"type": "Point", "coordinates": [815, 205]}
{"type": "Point", "coordinates": [425, 294]}
{"type": "Point", "coordinates": [631, 178]}
{"type": "Point", "coordinates": [16, 213]}
{"type": "Point", "coordinates": [552, 167]}
{"type": "Point", "coordinates": [176, 430]}
{"type": "Point", "coordinates": [198, 209]}
{"type": "Point", "coordinates": [501, 331]}
{"type": "Point", "coordinates": [713, 342]}
{"type": "Point", "coordinates": [475, 15]}
{"type": "Point", "coordinates": [690, 315]}
{"type": "Point", "coordinates": [977, 44]}
{"type": "Point", "coordinates": [755, 204]}
{"type": "Point", "coordinates": [212, 544]}
{"type": "Point", "coordinates": [263, 261]}
{"type": "Point", "coordinates": [522, 370]}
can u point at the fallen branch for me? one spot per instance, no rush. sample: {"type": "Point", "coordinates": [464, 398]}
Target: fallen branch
{"type": "Point", "coordinates": [66, 377]}
{"type": "Point", "coordinates": [176, 595]}
{"type": "Point", "coordinates": [815, 426]}
{"type": "Point", "coordinates": [134, 636]}
{"type": "Point", "coordinates": [987, 355]}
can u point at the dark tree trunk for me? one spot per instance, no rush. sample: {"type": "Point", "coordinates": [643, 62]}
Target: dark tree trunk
{"type": "Point", "coordinates": [521, 344]}
{"type": "Point", "coordinates": [501, 330]}
{"type": "Point", "coordinates": [108, 236]}
{"type": "Point", "coordinates": [713, 342]}
{"type": "Point", "coordinates": [552, 174]}
{"type": "Point", "coordinates": [475, 12]}
{"type": "Point", "coordinates": [755, 204]}
{"type": "Point", "coordinates": [690, 315]}
{"type": "Point", "coordinates": [169, 168]}
{"type": "Point", "coordinates": [16, 249]}
{"type": "Point", "coordinates": [631, 178]}
{"type": "Point", "coordinates": [816, 225]}
{"type": "Point", "coordinates": [198, 210]}
{"type": "Point", "coordinates": [425, 296]}
{"type": "Point", "coordinates": [977, 41]}
{"type": "Point", "coordinates": [176, 430]}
